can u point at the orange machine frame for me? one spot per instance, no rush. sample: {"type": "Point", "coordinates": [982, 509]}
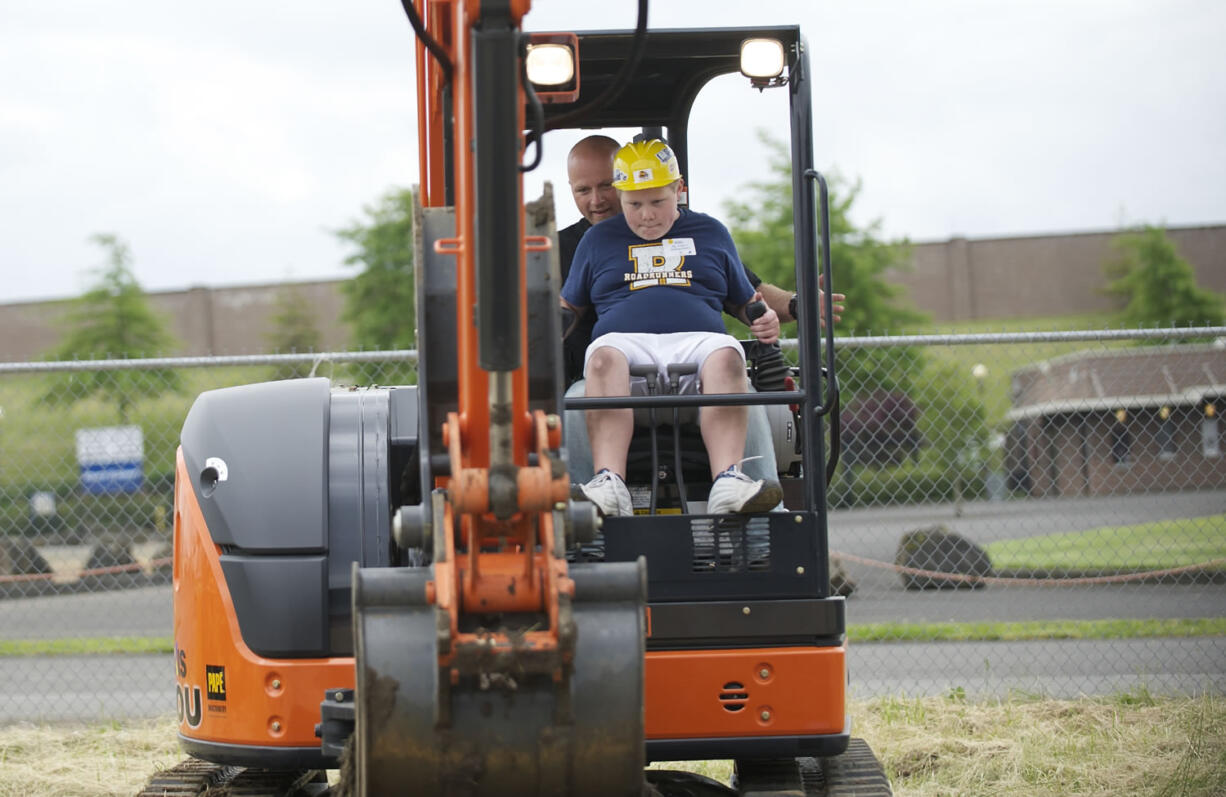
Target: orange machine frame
{"type": "Point", "coordinates": [226, 693]}
{"type": "Point", "coordinates": [477, 580]}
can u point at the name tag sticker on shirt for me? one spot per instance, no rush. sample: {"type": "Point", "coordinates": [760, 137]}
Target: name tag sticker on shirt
{"type": "Point", "coordinates": [678, 246]}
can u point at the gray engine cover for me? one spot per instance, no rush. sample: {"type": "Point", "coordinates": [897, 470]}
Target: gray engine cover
{"type": "Point", "coordinates": [295, 482]}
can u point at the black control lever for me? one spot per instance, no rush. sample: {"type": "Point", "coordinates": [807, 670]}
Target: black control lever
{"type": "Point", "coordinates": [675, 372]}
{"type": "Point", "coordinates": [648, 372]}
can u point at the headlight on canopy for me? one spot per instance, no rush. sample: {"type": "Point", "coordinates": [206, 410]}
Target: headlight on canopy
{"type": "Point", "coordinates": [550, 64]}
{"type": "Point", "coordinates": [762, 61]}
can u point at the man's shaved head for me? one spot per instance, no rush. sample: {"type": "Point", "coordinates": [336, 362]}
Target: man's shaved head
{"type": "Point", "coordinates": [589, 168]}
{"type": "Point", "coordinates": [594, 147]}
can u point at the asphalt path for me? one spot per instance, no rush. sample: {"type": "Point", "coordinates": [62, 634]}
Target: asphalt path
{"type": "Point", "coordinates": [1067, 669]}
{"type": "Point", "coordinates": [145, 611]}
{"type": "Point", "coordinates": [87, 688]}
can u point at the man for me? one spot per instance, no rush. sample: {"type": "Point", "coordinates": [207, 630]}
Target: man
{"type": "Point", "coordinates": [659, 277]}
{"type": "Point", "coordinates": [589, 168]}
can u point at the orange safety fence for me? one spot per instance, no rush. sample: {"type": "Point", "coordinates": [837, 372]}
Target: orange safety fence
{"type": "Point", "coordinates": [95, 571]}
{"type": "Point", "coordinates": [1033, 582]}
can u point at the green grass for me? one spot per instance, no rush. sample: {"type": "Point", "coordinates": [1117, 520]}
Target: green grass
{"type": "Point", "coordinates": [1003, 359]}
{"type": "Point", "coordinates": [1147, 546]}
{"type": "Point", "coordinates": [37, 441]}
{"type": "Point", "coordinates": [79, 646]}
{"type": "Point", "coordinates": [1035, 630]}
{"type": "Point", "coordinates": [863, 632]}
{"type": "Point", "coordinates": [1028, 324]}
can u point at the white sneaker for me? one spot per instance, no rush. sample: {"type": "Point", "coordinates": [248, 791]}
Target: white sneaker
{"type": "Point", "coordinates": [608, 492]}
{"type": "Point", "coordinates": [734, 492]}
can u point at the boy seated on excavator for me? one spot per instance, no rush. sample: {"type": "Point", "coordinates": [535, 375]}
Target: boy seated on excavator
{"type": "Point", "coordinates": [659, 277]}
{"type": "Point", "coordinates": [589, 171]}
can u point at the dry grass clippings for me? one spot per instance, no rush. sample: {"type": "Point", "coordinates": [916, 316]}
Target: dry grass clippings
{"type": "Point", "coordinates": [77, 760]}
{"type": "Point", "coordinates": [1131, 744]}
{"type": "Point", "coordinates": [1026, 746]}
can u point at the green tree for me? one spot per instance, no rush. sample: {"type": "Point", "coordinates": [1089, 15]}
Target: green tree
{"type": "Point", "coordinates": [762, 227]}
{"type": "Point", "coordinates": [113, 319]}
{"type": "Point", "coordinates": [899, 412]}
{"type": "Point", "coordinates": [1158, 286]}
{"type": "Point", "coordinates": [379, 302]}
{"type": "Point", "coordinates": [293, 331]}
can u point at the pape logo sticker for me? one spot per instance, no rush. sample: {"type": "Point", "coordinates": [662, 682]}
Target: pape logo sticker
{"type": "Point", "coordinates": [215, 685]}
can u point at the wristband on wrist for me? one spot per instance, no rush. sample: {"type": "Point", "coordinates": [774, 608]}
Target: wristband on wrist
{"type": "Point", "coordinates": [792, 307]}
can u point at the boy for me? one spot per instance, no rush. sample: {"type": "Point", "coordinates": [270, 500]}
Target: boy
{"type": "Point", "coordinates": [659, 277]}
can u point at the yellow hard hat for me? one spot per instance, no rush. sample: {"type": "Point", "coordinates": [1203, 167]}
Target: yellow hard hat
{"type": "Point", "coordinates": [644, 164]}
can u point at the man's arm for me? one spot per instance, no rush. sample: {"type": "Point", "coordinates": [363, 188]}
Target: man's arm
{"type": "Point", "coordinates": [781, 302]}
{"type": "Point", "coordinates": [776, 299]}
{"type": "Point", "coordinates": [570, 317]}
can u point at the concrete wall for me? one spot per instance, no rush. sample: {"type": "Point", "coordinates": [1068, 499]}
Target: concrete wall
{"type": "Point", "coordinates": [1038, 275]}
{"type": "Point", "coordinates": [952, 280]}
{"type": "Point", "coordinates": [206, 321]}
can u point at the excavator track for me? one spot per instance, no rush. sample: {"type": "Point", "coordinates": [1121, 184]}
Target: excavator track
{"type": "Point", "coordinates": [855, 773]}
{"type": "Point", "coordinates": [195, 778]}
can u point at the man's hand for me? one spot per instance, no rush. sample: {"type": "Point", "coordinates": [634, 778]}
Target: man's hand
{"type": "Point", "coordinates": [766, 326]}
{"type": "Point", "coordinates": [837, 299]}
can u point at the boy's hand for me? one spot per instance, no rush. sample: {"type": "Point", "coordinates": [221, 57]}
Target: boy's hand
{"type": "Point", "coordinates": [766, 326]}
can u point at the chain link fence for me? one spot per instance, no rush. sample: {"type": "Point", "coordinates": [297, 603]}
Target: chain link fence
{"type": "Point", "coordinates": [1037, 512]}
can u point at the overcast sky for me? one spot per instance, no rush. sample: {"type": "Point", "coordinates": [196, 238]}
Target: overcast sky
{"type": "Point", "coordinates": [226, 141]}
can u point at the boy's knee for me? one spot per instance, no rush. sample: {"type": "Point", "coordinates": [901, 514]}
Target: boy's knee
{"type": "Point", "coordinates": [724, 367]}
{"type": "Point", "coordinates": [605, 361]}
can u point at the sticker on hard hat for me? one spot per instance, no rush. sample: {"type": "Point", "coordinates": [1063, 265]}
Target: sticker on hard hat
{"type": "Point", "coordinates": [619, 176]}
{"type": "Point", "coordinates": [665, 155]}
{"type": "Point", "coordinates": [678, 246]}
{"type": "Point", "coordinates": [642, 175]}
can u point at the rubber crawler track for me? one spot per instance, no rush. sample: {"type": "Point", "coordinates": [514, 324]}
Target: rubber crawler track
{"type": "Point", "coordinates": [856, 772]}
{"type": "Point", "coordinates": [195, 778]}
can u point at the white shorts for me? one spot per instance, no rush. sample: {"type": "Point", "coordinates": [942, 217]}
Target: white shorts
{"type": "Point", "coordinates": [662, 350]}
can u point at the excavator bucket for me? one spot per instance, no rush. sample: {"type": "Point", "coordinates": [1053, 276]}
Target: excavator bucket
{"type": "Point", "coordinates": [503, 730]}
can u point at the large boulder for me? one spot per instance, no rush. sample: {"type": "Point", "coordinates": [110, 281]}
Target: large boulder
{"type": "Point", "coordinates": [110, 555]}
{"type": "Point", "coordinates": [840, 582]}
{"type": "Point", "coordinates": [111, 566]}
{"type": "Point", "coordinates": [937, 549]}
{"type": "Point", "coordinates": [19, 557]}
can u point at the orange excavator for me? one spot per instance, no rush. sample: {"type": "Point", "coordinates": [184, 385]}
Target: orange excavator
{"type": "Point", "coordinates": [396, 583]}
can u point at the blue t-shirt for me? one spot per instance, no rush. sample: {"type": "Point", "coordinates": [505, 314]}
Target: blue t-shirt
{"type": "Point", "coordinates": [678, 283]}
